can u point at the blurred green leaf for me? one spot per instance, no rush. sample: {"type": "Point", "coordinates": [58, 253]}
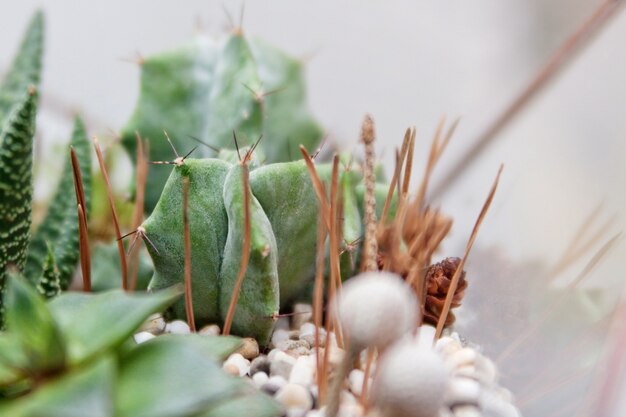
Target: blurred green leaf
{"type": "Point", "coordinates": [94, 323]}
{"type": "Point", "coordinates": [105, 268]}
{"type": "Point", "coordinates": [255, 404]}
{"type": "Point", "coordinates": [30, 320]}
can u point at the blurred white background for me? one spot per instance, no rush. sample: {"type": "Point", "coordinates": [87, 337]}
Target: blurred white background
{"type": "Point", "coordinates": [407, 63]}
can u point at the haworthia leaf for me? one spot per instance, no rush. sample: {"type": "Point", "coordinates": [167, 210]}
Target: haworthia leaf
{"type": "Point", "coordinates": [16, 186]}
{"type": "Point", "coordinates": [49, 283]}
{"type": "Point", "coordinates": [286, 194]}
{"type": "Point", "coordinates": [208, 224]}
{"type": "Point", "coordinates": [255, 403]}
{"type": "Point", "coordinates": [60, 226]}
{"type": "Point", "coordinates": [25, 69]}
{"type": "Point", "coordinates": [85, 391]}
{"type": "Point", "coordinates": [258, 301]}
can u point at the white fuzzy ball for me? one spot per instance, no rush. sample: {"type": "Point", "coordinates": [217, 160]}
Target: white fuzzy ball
{"type": "Point", "coordinates": [411, 382]}
{"type": "Point", "coordinates": [376, 308]}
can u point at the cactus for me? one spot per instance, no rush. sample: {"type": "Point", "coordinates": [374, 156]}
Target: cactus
{"type": "Point", "coordinates": [284, 216]}
{"type": "Point", "coordinates": [49, 258]}
{"type": "Point", "coordinates": [209, 89]}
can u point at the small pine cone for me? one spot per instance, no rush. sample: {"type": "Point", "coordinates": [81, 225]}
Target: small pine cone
{"type": "Point", "coordinates": [438, 278]}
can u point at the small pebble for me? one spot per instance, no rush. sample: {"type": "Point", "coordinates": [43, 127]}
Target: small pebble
{"type": "Point", "coordinates": [210, 330]}
{"type": "Point", "coordinates": [309, 328]}
{"type": "Point", "coordinates": [294, 347]}
{"type": "Point", "coordinates": [260, 364]}
{"type": "Point", "coordinates": [294, 396]}
{"type": "Point", "coordinates": [249, 348]}
{"type": "Point", "coordinates": [143, 337]}
{"type": "Point", "coordinates": [467, 411]}
{"type": "Point", "coordinates": [462, 391]}
{"type": "Point", "coordinates": [279, 335]}
{"type": "Point", "coordinates": [282, 365]}
{"type": "Point", "coordinates": [303, 371]}
{"type": "Point", "coordinates": [465, 356]}
{"type": "Point", "coordinates": [355, 378]}
{"type": "Point", "coordinates": [177, 327]}
{"type": "Point", "coordinates": [155, 324]}
{"type": "Point", "coordinates": [273, 384]}
{"type": "Point", "coordinates": [242, 364]}
{"type": "Point", "coordinates": [302, 313]}
{"type": "Point", "coordinates": [231, 368]}
{"type": "Point", "coordinates": [259, 379]}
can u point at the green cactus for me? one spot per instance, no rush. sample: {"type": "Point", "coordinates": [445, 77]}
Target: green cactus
{"type": "Point", "coordinates": [284, 216]}
{"type": "Point", "coordinates": [209, 89]}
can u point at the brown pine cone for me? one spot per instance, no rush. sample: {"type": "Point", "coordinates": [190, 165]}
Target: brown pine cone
{"type": "Point", "coordinates": [438, 279]}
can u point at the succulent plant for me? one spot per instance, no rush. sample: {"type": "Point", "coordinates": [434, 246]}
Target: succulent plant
{"type": "Point", "coordinates": [284, 217]}
{"type": "Point", "coordinates": [73, 356]}
{"type": "Point", "coordinates": [49, 257]}
{"type": "Point", "coordinates": [208, 89]}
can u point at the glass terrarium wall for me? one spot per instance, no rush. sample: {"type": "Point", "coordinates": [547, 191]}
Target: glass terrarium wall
{"type": "Point", "coordinates": [408, 65]}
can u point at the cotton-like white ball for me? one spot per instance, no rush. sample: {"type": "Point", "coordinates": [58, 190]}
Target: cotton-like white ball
{"type": "Point", "coordinates": [411, 381]}
{"type": "Point", "coordinates": [376, 308]}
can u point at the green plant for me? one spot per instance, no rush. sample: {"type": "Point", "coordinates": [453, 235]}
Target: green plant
{"type": "Point", "coordinates": [49, 257]}
{"type": "Point", "coordinates": [73, 357]}
{"type": "Point", "coordinates": [208, 89]}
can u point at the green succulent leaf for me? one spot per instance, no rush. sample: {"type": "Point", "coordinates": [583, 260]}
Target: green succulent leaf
{"type": "Point", "coordinates": [166, 377]}
{"type": "Point", "coordinates": [255, 404]}
{"type": "Point", "coordinates": [30, 320]}
{"type": "Point", "coordinates": [209, 89]}
{"type": "Point", "coordinates": [13, 360]}
{"type": "Point", "coordinates": [85, 391]}
{"type": "Point", "coordinates": [60, 226]}
{"type": "Point", "coordinates": [95, 323]}
{"type": "Point", "coordinates": [49, 283]}
{"type": "Point", "coordinates": [16, 186]}
{"type": "Point", "coordinates": [25, 69]}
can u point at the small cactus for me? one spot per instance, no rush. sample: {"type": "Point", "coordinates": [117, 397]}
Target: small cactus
{"type": "Point", "coordinates": [209, 89]}
{"type": "Point", "coordinates": [284, 215]}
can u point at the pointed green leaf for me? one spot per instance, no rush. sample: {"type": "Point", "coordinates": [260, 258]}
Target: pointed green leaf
{"type": "Point", "coordinates": [16, 186]}
{"type": "Point", "coordinates": [13, 359]}
{"type": "Point", "coordinates": [94, 323]}
{"type": "Point", "coordinates": [25, 69]}
{"type": "Point", "coordinates": [106, 272]}
{"type": "Point", "coordinates": [166, 377]}
{"type": "Point", "coordinates": [255, 404]}
{"type": "Point", "coordinates": [49, 283]}
{"type": "Point", "coordinates": [87, 391]}
{"type": "Point", "coordinates": [60, 226]}
{"type": "Point", "coordinates": [28, 317]}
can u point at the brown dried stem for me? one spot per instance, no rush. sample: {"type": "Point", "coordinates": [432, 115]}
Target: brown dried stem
{"type": "Point", "coordinates": [245, 250]}
{"type": "Point", "coordinates": [118, 234]}
{"type": "Point", "coordinates": [457, 274]}
{"type": "Point", "coordinates": [140, 190]}
{"type": "Point", "coordinates": [318, 306]}
{"type": "Point", "coordinates": [318, 186]}
{"type": "Point", "coordinates": [83, 232]}
{"type": "Point", "coordinates": [187, 234]}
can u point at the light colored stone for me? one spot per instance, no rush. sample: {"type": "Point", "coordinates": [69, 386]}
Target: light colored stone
{"type": "Point", "coordinates": [240, 362]}
{"type": "Point", "coordinates": [426, 336]}
{"type": "Point", "coordinates": [308, 328]}
{"type": "Point", "coordinates": [447, 345]}
{"type": "Point", "coordinates": [465, 356]}
{"type": "Point", "coordinates": [177, 327]}
{"type": "Point", "coordinates": [302, 313]}
{"type": "Point", "coordinates": [303, 371]}
{"type": "Point", "coordinates": [355, 379]}
{"type": "Point", "coordinates": [210, 330]}
{"type": "Point", "coordinates": [463, 391]}
{"type": "Point", "coordinates": [259, 379]}
{"type": "Point", "coordinates": [294, 396]}
{"type": "Point", "coordinates": [467, 411]}
{"type": "Point", "coordinates": [143, 337]}
{"type": "Point", "coordinates": [279, 335]}
{"type": "Point", "coordinates": [249, 348]}
{"type": "Point", "coordinates": [155, 324]}
{"type": "Point", "coordinates": [294, 347]}
{"type": "Point", "coordinates": [274, 384]}
{"type": "Point", "coordinates": [231, 368]}
{"type": "Point", "coordinates": [260, 364]}
{"type": "Point", "coordinates": [282, 365]}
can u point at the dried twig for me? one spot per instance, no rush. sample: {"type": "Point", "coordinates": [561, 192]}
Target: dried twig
{"type": "Point", "coordinates": [118, 234]}
{"type": "Point", "coordinates": [140, 190]}
{"type": "Point", "coordinates": [457, 274]}
{"type": "Point", "coordinates": [83, 233]}
{"type": "Point", "coordinates": [245, 250]}
{"type": "Point", "coordinates": [187, 234]}
{"type": "Point", "coordinates": [318, 306]}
